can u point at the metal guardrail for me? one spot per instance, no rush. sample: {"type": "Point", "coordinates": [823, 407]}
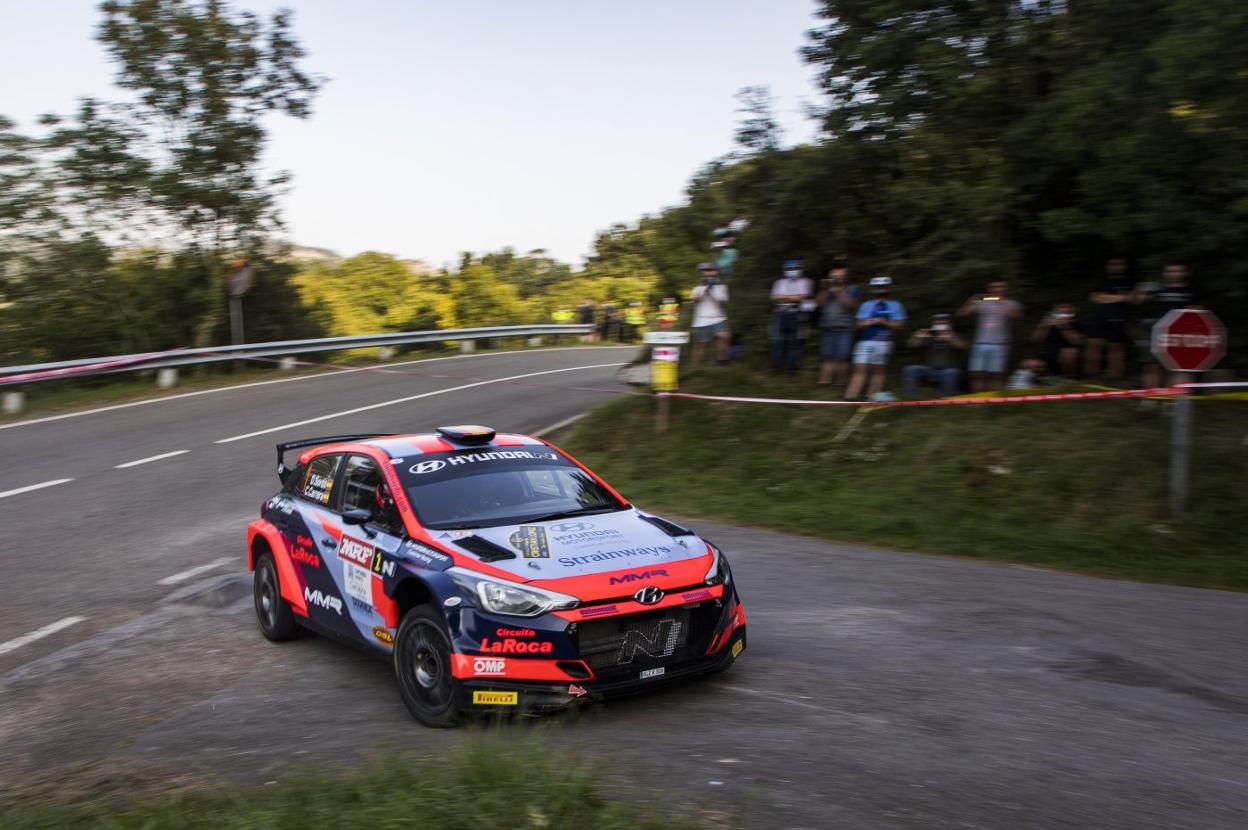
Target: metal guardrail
{"type": "Point", "coordinates": [35, 372]}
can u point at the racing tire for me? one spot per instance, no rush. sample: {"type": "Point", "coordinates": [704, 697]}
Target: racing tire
{"type": "Point", "coordinates": [422, 666]}
{"type": "Point", "coordinates": [273, 614]}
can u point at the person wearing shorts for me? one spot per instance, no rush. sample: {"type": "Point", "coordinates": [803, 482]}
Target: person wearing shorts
{"type": "Point", "coordinates": [838, 300]}
{"type": "Point", "coordinates": [990, 350]}
{"type": "Point", "coordinates": [1109, 330]}
{"type": "Point", "coordinates": [710, 315]}
{"type": "Point", "coordinates": [877, 318]}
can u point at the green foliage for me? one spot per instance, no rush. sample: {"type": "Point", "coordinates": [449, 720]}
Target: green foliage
{"type": "Point", "coordinates": [372, 293]}
{"type": "Point", "coordinates": [1079, 485]}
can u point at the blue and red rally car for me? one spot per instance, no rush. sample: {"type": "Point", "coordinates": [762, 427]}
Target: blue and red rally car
{"type": "Point", "coordinates": [494, 570]}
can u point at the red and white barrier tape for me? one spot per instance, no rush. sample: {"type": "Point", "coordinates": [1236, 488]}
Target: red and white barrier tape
{"type": "Point", "coordinates": [1157, 391]}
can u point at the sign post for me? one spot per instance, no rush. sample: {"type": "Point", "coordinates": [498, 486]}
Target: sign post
{"type": "Point", "coordinates": [665, 370]}
{"type": "Point", "coordinates": [1187, 341]}
{"type": "Point", "coordinates": [238, 283]}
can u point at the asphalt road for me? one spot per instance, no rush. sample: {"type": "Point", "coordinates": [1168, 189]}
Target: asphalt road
{"type": "Point", "coordinates": [879, 689]}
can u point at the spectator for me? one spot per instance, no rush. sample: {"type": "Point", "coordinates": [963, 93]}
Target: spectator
{"type": "Point", "coordinates": [1109, 324]}
{"type": "Point", "coordinates": [609, 322]}
{"type": "Point", "coordinates": [838, 299]}
{"type": "Point", "coordinates": [710, 315]}
{"type": "Point", "coordinates": [1174, 292]}
{"type": "Point", "coordinates": [725, 245]}
{"type": "Point", "coordinates": [877, 319]}
{"type": "Point", "coordinates": [1060, 336]}
{"type": "Point", "coordinates": [941, 346]}
{"type": "Point", "coordinates": [788, 294]}
{"type": "Point", "coordinates": [990, 350]}
{"type": "Point", "coordinates": [585, 316]}
{"type": "Point", "coordinates": [634, 322]}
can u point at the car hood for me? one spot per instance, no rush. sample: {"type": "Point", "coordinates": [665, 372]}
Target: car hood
{"type": "Point", "coordinates": [582, 546]}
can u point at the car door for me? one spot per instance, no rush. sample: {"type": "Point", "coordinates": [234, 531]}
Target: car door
{"type": "Point", "coordinates": [366, 552]}
{"type": "Point", "coordinates": [314, 528]}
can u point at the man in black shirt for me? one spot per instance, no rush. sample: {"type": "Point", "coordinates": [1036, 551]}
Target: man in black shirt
{"type": "Point", "coordinates": [1060, 336]}
{"type": "Point", "coordinates": [1109, 332]}
{"type": "Point", "coordinates": [941, 357]}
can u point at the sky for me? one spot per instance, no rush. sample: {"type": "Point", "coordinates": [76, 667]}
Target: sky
{"type": "Point", "coordinates": [471, 125]}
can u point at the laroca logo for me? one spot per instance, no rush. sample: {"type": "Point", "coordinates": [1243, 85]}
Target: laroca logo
{"type": "Point", "coordinates": [427, 467]}
{"type": "Point", "coordinates": [324, 601]}
{"type": "Point", "coordinates": [489, 665]}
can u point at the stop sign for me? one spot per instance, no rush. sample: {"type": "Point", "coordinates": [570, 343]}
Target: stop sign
{"type": "Point", "coordinates": [1189, 340]}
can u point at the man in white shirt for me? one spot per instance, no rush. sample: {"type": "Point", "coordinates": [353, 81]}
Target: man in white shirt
{"type": "Point", "coordinates": [710, 315]}
{"type": "Point", "coordinates": [792, 295]}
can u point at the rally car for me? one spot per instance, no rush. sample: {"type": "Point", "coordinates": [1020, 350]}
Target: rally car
{"type": "Point", "coordinates": [495, 571]}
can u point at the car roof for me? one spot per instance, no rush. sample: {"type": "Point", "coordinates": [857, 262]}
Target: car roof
{"type": "Point", "coordinates": [406, 446]}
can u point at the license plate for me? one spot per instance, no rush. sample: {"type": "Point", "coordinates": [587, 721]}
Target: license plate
{"type": "Point", "coordinates": [649, 673]}
{"type": "Point", "coordinates": [495, 698]}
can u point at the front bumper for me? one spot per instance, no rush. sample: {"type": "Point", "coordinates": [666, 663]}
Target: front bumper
{"type": "Point", "coordinates": [482, 694]}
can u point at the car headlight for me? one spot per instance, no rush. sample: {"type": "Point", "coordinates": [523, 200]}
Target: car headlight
{"type": "Point", "coordinates": [501, 597]}
{"type": "Point", "coordinates": [719, 573]}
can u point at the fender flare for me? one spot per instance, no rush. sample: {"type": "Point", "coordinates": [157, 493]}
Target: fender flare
{"type": "Point", "coordinates": [288, 579]}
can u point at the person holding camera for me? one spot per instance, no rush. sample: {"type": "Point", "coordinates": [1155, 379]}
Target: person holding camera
{"type": "Point", "coordinates": [942, 349]}
{"type": "Point", "coordinates": [710, 315]}
{"type": "Point", "coordinates": [1060, 338]}
{"type": "Point", "coordinates": [1110, 334]}
{"type": "Point", "coordinates": [838, 300]}
{"type": "Point", "coordinates": [990, 350]}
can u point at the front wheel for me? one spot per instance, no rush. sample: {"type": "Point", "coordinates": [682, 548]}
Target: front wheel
{"type": "Point", "coordinates": [277, 621]}
{"type": "Point", "coordinates": [422, 665]}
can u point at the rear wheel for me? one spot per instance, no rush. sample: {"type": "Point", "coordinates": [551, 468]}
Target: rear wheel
{"type": "Point", "coordinates": [422, 665]}
{"type": "Point", "coordinates": [276, 620]}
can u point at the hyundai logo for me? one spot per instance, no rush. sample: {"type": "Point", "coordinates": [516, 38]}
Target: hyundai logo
{"type": "Point", "coordinates": [648, 595]}
{"type": "Point", "coordinates": [571, 527]}
{"type": "Point", "coordinates": [427, 467]}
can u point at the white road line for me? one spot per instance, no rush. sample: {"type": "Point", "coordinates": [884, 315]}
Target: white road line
{"type": "Point", "coordinates": [149, 458]}
{"type": "Point", "coordinates": [190, 573]}
{"type": "Point", "coordinates": [38, 634]}
{"type": "Point", "coordinates": [346, 412]}
{"type": "Point", "coordinates": [30, 487]}
{"type": "Point", "coordinates": [542, 433]}
{"type": "Point", "coordinates": [317, 376]}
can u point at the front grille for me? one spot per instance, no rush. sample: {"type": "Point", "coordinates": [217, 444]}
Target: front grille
{"type": "Point", "coordinates": [623, 645]}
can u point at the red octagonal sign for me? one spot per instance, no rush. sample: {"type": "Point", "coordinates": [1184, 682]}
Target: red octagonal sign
{"type": "Point", "coordinates": [1189, 340]}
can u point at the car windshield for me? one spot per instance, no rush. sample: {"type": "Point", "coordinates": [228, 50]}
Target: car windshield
{"type": "Point", "coordinates": [487, 488]}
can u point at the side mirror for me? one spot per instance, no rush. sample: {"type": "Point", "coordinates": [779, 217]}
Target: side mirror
{"type": "Point", "coordinates": [357, 516]}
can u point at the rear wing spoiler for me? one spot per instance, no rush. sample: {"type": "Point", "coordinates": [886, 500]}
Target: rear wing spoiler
{"type": "Point", "coordinates": [283, 471]}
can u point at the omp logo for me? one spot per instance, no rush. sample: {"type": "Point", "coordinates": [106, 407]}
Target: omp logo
{"type": "Point", "coordinates": [571, 527]}
{"type": "Point", "coordinates": [427, 467]}
{"type": "Point", "coordinates": [322, 600]}
{"type": "Point", "coordinates": [489, 665]}
{"type": "Point", "coordinates": [619, 580]}
{"type": "Point", "coordinates": [661, 643]}
{"type": "Point", "coordinates": [353, 550]}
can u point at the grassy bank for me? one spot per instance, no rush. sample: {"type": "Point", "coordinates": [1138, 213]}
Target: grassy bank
{"type": "Point", "coordinates": [1078, 485]}
{"type": "Point", "coordinates": [489, 783]}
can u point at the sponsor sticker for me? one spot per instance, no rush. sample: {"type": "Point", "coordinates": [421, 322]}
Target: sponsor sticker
{"type": "Point", "coordinates": [322, 600]}
{"type": "Point", "coordinates": [489, 665]}
{"type": "Point", "coordinates": [451, 602]}
{"type": "Point", "coordinates": [510, 645]}
{"type": "Point", "coordinates": [583, 534]}
{"type": "Point", "coordinates": [656, 642]}
{"type": "Point", "coordinates": [353, 550]}
{"type": "Point", "coordinates": [608, 555]}
{"type": "Point", "coordinates": [650, 574]}
{"type": "Point", "coordinates": [531, 541]}
{"type": "Point", "coordinates": [305, 557]}
{"type": "Point", "coordinates": [383, 635]}
{"type": "Point", "coordinates": [358, 583]}
{"type": "Point", "coordinates": [599, 611]}
{"type": "Point", "coordinates": [705, 593]}
{"type": "Point", "coordinates": [495, 698]}
{"type": "Point", "coordinates": [433, 465]}
{"type": "Point", "coordinates": [738, 647]}
{"type": "Point", "coordinates": [425, 555]}
{"type": "Point", "coordinates": [649, 673]}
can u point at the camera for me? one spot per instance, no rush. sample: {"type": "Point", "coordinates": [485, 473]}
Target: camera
{"type": "Point", "coordinates": [710, 282]}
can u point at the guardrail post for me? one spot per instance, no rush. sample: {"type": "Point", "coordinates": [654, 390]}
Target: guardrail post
{"type": "Point", "coordinates": [286, 363]}
{"type": "Point", "coordinates": [13, 403]}
{"type": "Point", "coordinates": [385, 353]}
{"type": "Point", "coordinates": [467, 346]}
{"type": "Point", "coordinates": [166, 378]}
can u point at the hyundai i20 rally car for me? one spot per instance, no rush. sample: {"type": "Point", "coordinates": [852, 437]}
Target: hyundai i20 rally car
{"type": "Point", "coordinates": [496, 572]}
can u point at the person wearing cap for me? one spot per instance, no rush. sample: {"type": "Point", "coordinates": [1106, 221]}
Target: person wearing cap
{"type": "Point", "coordinates": [789, 295]}
{"type": "Point", "coordinates": [990, 350]}
{"type": "Point", "coordinates": [942, 348]}
{"type": "Point", "coordinates": [877, 319]}
{"type": "Point", "coordinates": [725, 247]}
{"type": "Point", "coordinates": [710, 315]}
